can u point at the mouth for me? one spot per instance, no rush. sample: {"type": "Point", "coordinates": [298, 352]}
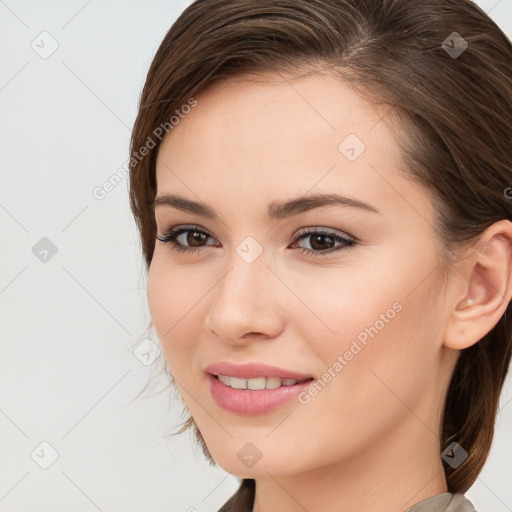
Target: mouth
{"type": "Point", "coordinates": [254, 396]}
{"type": "Point", "coordinates": [258, 383]}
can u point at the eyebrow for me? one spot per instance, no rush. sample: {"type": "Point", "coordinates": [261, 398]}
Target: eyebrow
{"type": "Point", "coordinates": [276, 209]}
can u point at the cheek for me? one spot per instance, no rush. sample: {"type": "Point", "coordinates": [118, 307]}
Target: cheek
{"type": "Point", "coordinates": [388, 364]}
{"type": "Point", "coordinates": [376, 333]}
{"type": "Point", "coordinates": [173, 291]}
{"type": "Point", "coordinates": [162, 300]}
{"type": "Point", "coordinates": [171, 298]}
{"type": "Point", "coordinates": [338, 308]}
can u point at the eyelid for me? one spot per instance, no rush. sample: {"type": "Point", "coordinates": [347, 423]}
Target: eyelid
{"type": "Point", "coordinates": [179, 229]}
{"type": "Point", "coordinates": [347, 242]}
{"type": "Point", "coordinates": [318, 229]}
{"type": "Point", "coordinates": [302, 231]}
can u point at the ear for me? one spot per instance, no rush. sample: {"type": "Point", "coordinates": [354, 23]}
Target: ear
{"type": "Point", "coordinates": [485, 289]}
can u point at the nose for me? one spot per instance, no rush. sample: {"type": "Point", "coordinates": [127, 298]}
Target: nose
{"type": "Point", "coordinates": [247, 303]}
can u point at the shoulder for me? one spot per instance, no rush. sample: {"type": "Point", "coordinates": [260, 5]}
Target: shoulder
{"type": "Point", "coordinates": [444, 502]}
{"type": "Point", "coordinates": [459, 503]}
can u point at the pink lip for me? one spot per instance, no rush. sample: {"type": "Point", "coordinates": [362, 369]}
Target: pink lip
{"type": "Point", "coordinates": [249, 402]}
{"type": "Point", "coordinates": [252, 371]}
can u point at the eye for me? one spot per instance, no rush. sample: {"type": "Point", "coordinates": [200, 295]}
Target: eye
{"type": "Point", "coordinates": [319, 237]}
{"type": "Point", "coordinates": [195, 236]}
{"type": "Point", "coordinates": [171, 238]}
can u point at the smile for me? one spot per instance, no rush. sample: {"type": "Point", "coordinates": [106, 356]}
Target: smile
{"type": "Point", "coordinates": [257, 383]}
{"type": "Point", "coordinates": [258, 395]}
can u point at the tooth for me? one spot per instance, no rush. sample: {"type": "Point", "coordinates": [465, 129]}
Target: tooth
{"type": "Point", "coordinates": [256, 383]}
{"type": "Point", "coordinates": [225, 379]}
{"type": "Point", "coordinates": [238, 383]}
{"type": "Point", "coordinates": [273, 382]}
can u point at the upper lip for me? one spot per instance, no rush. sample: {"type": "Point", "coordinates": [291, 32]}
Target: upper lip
{"type": "Point", "coordinates": [253, 370]}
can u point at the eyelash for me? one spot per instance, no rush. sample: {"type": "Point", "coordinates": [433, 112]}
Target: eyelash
{"type": "Point", "coordinates": [170, 236]}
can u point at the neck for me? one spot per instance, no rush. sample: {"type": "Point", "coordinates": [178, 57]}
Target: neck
{"type": "Point", "coordinates": [392, 475]}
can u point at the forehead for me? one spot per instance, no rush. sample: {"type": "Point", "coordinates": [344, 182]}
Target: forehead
{"type": "Point", "coordinates": [279, 138]}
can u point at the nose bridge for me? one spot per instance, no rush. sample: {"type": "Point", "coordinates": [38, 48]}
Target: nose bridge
{"type": "Point", "coordinates": [245, 282]}
{"type": "Point", "coordinates": [243, 301]}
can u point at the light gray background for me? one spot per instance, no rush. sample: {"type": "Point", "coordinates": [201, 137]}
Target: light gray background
{"type": "Point", "coordinates": [68, 325]}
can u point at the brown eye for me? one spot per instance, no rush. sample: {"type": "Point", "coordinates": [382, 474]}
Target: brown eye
{"type": "Point", "coordinates": [321, 238]}
{"type": "Point", "coordinates": [196, 238]}
{"type": "Point", "coordinates": [192, 240]}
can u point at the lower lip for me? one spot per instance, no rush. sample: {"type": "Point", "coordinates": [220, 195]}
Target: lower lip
{"type": "Point", "coordinates": [249, 402]}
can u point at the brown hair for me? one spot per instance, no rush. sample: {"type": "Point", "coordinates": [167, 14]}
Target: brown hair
{"type": "Point", "coordinates": [451, 112]}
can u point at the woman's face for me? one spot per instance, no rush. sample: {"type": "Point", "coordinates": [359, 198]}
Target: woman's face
{"type": "Point", "coordinates": [364, 321]}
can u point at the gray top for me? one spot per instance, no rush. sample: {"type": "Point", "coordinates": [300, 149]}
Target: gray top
{"type": "Point", "coordinates": [444, 502]}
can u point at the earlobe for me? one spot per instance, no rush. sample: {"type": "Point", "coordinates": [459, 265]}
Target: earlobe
{"type": "Point", "coordinates": [487, 289]}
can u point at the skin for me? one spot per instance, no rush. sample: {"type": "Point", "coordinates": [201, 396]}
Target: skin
{"type": "Point", "coordinates": [369, 441]}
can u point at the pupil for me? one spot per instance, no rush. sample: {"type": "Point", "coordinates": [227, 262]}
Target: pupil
{"type": "Point", "coordinates": [321, 237]}
{"type": "Point", "coordinates": [195, 237]}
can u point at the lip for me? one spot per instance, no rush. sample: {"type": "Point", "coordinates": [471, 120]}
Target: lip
{"type": "Point", "coordinates": [252, 403]}
{"type": "Point", "coordinates": [253, 370]}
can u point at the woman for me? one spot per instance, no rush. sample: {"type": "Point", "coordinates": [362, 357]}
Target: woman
{"type": "Point", "coordinates": [321, 193]}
